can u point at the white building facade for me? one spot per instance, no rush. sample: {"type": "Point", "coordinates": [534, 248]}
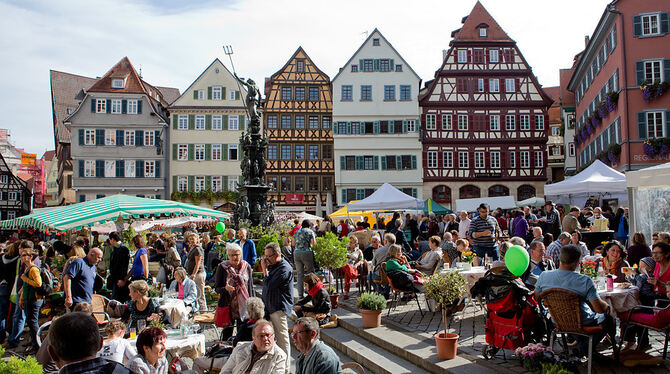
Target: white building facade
{"type": "Point", "coordinates": [376, 123]}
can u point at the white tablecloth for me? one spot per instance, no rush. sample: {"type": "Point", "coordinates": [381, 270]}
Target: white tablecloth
{"type": "Point", "coordinates": [175, 310]}
{"type": "Point", "coordinates": [620, 299]}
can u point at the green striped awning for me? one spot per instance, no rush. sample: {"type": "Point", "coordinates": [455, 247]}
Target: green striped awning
{"type": "Point", "coordinates": [107, 209]}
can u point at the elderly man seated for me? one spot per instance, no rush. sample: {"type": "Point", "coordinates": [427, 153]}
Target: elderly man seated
{"type": "Point", "coordinates": [259, 356]}
{"type": "Point", "coordinates": [538, 263]}
{"type": "Point", "coordinates": [594, 311]}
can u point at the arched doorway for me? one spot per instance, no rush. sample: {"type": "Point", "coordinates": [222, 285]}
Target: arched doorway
{"type": "Point", "coordinates": [525, 191]}
{"type": "Point", "coordinates": [442, 194]}
{"type": "Point", "coordinates": [469, 192]}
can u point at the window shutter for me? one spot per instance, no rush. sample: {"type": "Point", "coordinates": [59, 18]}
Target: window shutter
{"type": "Point", "coordinates": [376, 64]}
{"type": "Point", "coordinates": [208, 182]}
{"type": "Point", "coordinates": [664, 24]}
{"type": "Point", "coordinates": [642, 125]}
{"type": "Point", "coordinates": [174, 151]}
{"type": "Point", "coordinates": [666, 72]}
{"type": "Point", "coordinates": [392, 65]}
{"type": "Point", "coordinates": [208, 122]}
{"type": "Point", "coordinates": [139, 106]}
{"type": "Point", "coordinates": [81, 136]}
{"type": "Point", "coordinates": [413, 162]}
{"type": "Point", "coordinates": [360, 68]}
{"type": "Point", "coordinates": [335, 128]}
{"type": "Point", "coordinates": [224, 122]}
{"type": "Point", "coordinates": [639, 71]}
{"type": "Point", "coordinates": [237, 95]}
{"type": "Point", "coordinates": [223, 93]}
{"type": "Point", "coordinates": [414, 192]}
{"type": "Point", "coordinates": [637, 25]}
{"type": "Point", "coordinates": [384, 162]}
{"type": "Point", "coordinates": [109, 106]}
{"type": "Point", "coordinates": [224, 152]}
{"type": "Point", "coordinates": [667, 123]}
{"type": "Point", "coordinates": [398, 162]}
{"type": "Point", "coordinates": [175, 121]}
{"type": "Point", "coordinates": [191, 183]}
{"type": "Point", "coordinates": [157, 170]}
{"type": "Point", "coordinates": [139, 138]}
{"type": "Point", "coordinates": [224, 180]}
{"type": "Point", "coordinates": [99, 137]}
{"type": "Point", "coordinates": [93, 105]}
{"type": "Point", "coordinates": [391, 127]}
{"type": "Point", "coordinates": [139, 169]}
{"type": "Point", "coordinates": [344, 190]}
{"type": "Point", "coordinates": [124, 106]}
{"type": "Point", "coordinates": [119, 138]}
{"type": "Point", "coordinates": [191, 152]}
{"type": "Point", "coordinates": [195, 94]}
{"type": "Point", "coordinates": [343, 163]}
{"type": "Point", "coordinates": [157, 138]}
{"type": "Point", "coordinates": [120, 168]}
{"type": "Point", "coordinates": [81, 168]}
{"type": "Point", "coordinates": [375, 127]}
{"type": "Point", "coordinates": [82, 198]}
{"type": "Point", "coordinates": [208, 152]}
{"type": "Point", "coordinates": [404, 126]}
{"type": "Point", "coordinates": [99, 168]}
{"type": "Point", "coordinates": [241, 121]}
{"type": "Point", "coordinates": [348, 128]}
{"type": "Point", "coordinates": [375, 162]}
{"type": "Point", "coordinates": [174, 183]}
{"type": "Point", "coordinates": [209, 93]}
{"type": "Point", "coordinates": [360, 163]}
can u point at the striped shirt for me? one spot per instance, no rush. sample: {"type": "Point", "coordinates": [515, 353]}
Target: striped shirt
{"type": "Point", "coordinates": [479, 224]}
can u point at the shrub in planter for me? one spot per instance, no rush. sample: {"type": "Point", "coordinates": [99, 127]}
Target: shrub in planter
{"type": "Point", "coordinates": [16, 365]}
{"type": "Point", "coordinates": [331, 252]}
{"type": "Point", "coordinates": [447, 289]}
{"type": "Point", "coordinates": [371, 306]}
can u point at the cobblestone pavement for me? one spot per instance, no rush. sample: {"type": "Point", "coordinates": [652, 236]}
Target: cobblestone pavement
{"type": "Point", "coordinates": [469, 324]}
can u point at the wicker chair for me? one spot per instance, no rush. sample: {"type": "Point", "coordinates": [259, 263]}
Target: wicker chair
{"type": "Point", "coordinates": [564, 307]}
{"type": "Point", "coordinates": [396, 292]}
{"type": "Point", "coordinates": [626, 323]}
{"type": "Point", "coordinates": [99, 305]}
{"type": "Point", "coordinates": [353, 367]}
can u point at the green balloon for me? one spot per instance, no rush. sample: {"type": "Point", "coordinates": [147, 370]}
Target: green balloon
{"type": "Point", "coordinates": [220, 226]}
{"type": "Point", "coordinates": [517, 260]}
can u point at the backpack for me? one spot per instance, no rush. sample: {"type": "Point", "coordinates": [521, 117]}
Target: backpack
{"type": "Point", "coordinates": [48, 281]}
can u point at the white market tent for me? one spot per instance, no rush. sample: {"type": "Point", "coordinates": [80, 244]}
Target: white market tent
{"type": "Point", "coordinates": [533, 201]}
{"type": "Point", "coordinates": [596, 180]}
{"type": "Point", "coordinates": [649, 199]}
{"type": "Point", "coordinates": [471, 205]}
{"type": "Point", "coordinates": [386, 197]}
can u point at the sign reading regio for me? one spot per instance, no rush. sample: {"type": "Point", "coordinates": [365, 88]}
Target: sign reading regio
{"type": "Point", "coordinates": [295, 198]}
{"type": "Point", "coordinates": [28, 158]}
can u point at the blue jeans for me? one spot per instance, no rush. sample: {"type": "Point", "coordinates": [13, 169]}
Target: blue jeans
{"type": "Point", "coordinates": [18, 323]}
{"type": "Point", "coordinates": [481, 251]}
{"type": "Point", "coordinates": [4, 307]}
{"type": "Point", "coordinates": [379, 288]}
{"type": "Point", "coordinates": [32, 309]}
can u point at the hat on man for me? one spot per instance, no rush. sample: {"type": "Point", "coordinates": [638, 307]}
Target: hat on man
{"type": "Point", "coordinates": [549, 202]}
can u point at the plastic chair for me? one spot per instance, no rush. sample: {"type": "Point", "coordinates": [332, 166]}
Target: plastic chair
{"type": "Point", "coordinates": [626, 323]}
{"type": "Point", "coordinates": [565, 310]}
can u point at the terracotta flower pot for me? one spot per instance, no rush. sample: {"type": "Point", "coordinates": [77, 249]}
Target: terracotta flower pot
{"type": "Point", "coordinates": [334, 300]}
{"type": "Point", "coordinates": [446, 346]}
{"type": "Point", "coordinates": [371, 318]}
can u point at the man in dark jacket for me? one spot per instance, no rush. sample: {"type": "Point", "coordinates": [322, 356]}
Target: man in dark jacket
{"type": "Point", "coordinates": [278, 294]}
{"type": "Point", "coordinates": [118, 268]}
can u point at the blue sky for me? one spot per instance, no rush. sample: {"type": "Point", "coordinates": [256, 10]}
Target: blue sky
{"type": "Point", "coordinates": [173, 41]}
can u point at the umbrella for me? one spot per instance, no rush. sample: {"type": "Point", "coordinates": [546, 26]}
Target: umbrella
{"type": "Point", "coordinates": [106, 209]}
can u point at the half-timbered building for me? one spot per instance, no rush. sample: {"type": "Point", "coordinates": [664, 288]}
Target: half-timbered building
{"type": "Point", "coordinates": [376, 124]}
{"type": "Point", "coordinates": [483, 118]}
{"type": "Point", "coordinates": [297, 120]}
{"type": "Point", "coordinates": [15, 198]}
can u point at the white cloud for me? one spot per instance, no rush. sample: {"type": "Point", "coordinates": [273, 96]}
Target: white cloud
{"type": "Point", "coordinates": [173, 45]}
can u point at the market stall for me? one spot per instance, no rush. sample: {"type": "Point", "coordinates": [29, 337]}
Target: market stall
{"type": "Point", "coordinates": [597, 180]}
{"type": "Point", "coordinates": [387, 197]}
{"type": "Point", "coordinates": [649, 197]}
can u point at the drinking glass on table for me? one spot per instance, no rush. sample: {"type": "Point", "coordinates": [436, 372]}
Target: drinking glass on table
{"type": "Point", "coordinates": [133, 333]}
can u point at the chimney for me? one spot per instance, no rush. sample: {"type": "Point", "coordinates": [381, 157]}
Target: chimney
{"type": "Point", "coordinates": [586, 40]}
{"type": "Point", "coordinates": [444, 54]}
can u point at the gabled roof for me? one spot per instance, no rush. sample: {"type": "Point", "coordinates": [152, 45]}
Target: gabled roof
{"type": "Point", "coordinates": [479, 16]}
{"type": "Point", "coordinates": [64, 90]}
{"type": "Point", "coordinates": [295, 54]}
{"type": "Point", "coordinates": [373, 33]}
{"type": "Point", "coordinates": [48, 155]}
{"type": "Point", "coordinates": [188, 89]}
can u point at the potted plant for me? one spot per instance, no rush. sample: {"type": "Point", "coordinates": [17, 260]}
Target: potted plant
{"type": "Point", "coordinates": [331, 253]}
{"type": "Point", "coordinates": [371, 306]}
{"type": "Point", "coordinates": [334, 296]}
{"type": "Point", "coordinates": [447, 289]}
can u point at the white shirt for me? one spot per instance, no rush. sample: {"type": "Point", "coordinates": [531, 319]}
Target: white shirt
{"type": "Point", "coordinates": [118, 350]}
{"type": "Point", "coordinates": [463, 228]}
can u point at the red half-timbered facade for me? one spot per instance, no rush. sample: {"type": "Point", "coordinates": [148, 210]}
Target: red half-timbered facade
{"type": "Point", "coordinates": [483, 118]}
{"type": "Point", "coordinates": [298, 122]}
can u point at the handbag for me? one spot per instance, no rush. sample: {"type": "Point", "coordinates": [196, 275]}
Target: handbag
{"type": "Point", "coordinates": [222, 316]}
{"type": "Point", "coordinates": [13, 296]}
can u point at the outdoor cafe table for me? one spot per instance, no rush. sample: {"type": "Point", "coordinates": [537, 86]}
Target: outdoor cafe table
{"type": "Point", "coordinates": [620, 300]}
{"type": "Point", "coordinates": [175, 309]}
{"type": "Point", "coordinates": [192, 345]}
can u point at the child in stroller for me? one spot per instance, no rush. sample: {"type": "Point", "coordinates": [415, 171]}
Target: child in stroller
{"type": "Point", "coordinates": [513, 317]}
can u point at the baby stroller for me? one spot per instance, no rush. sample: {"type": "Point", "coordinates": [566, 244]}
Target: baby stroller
{"type": "Point", "coordinates": [513, 317]}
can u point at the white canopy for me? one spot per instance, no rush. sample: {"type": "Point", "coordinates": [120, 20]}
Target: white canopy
{"type": "Point", "coordinates": [595, 179]}
{"type": "Point", "coordinates": [533, 201]}
{"type": "Point", "coordinates": [654, 176]}
{"type": "Point", "coordinates": [386, 197]}
{"type": "Point", "coordinates": [471, 205]}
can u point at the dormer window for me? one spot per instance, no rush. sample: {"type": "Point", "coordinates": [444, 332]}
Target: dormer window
{"type": "Point", "coordinates": [375, 42]}
{"type": "Point", "coordinates": [483, 32]}
{"type": "Point", "coordinates": [118, 83]}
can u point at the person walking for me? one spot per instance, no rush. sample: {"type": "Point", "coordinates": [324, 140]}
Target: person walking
{"type": "Point", "coordinates": [483, 230]}
{"type": "Point", "coordinates": [118, 268]}
{"type": "Point", "coordinates": [19, 315]}
{"type": "Point", "coordinates": [30, 301]}
{"type": "Point", "coordinates": [79, 278]}
{"type": "Point", "coordinates": [303, 254]}
{"type": "Point", "coordinates": [248, 247]}
{"type": "Point", "coordinates": [9, 267]}
{"type": "Point", "coordinates": [278, 294]}
{"type": "Point", "coordinates": [195, 268]}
